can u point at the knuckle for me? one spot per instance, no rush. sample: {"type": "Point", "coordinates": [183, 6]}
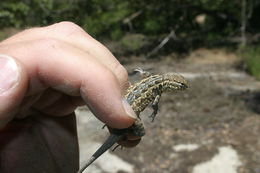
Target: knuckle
{"type": "Point", "coordinates": [67, 24]}
{"type": "Point", "coordinates": [67, 28]}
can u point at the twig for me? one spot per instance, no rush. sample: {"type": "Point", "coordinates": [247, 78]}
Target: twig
{"type": "Point", "coordinates": [163, 42]}
{"type": "Point", "coordinates": [243, 22]}
{"type": "Point", "coordinates": [129, 19]}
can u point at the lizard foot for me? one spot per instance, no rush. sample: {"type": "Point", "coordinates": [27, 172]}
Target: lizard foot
{"type": "Point", "coordinates": [142, 72]}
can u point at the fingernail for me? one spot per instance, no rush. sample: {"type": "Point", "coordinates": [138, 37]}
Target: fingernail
{"type": "Point", "coordinates": [130, 112]}
{"type": "Point", "coordinates": [9, 73]}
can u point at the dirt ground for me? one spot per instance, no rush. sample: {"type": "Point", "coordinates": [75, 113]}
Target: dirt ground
{"type": "Point", "coordinates": [221, 108]}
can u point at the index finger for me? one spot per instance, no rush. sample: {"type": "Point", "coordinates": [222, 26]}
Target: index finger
{"type": "Point", "coordinates": [76, 36]}
{"type": "Point", "coordinates": [52, 63]}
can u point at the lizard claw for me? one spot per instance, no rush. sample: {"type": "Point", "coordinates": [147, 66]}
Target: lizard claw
{"type": "Point", "coordinates": [117, 147]}
{"type": "Point", "coordinates": [103, 126]}
{"type": "Point", "coordinates": [152, 116]}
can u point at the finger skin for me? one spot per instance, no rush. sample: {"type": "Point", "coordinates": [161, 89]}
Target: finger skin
{"type": "Point", "coordinates": [64, 59]}
{"type": "Point", "coordinates": [40, 144]}
{"type": "Point", "coordinates": [73, 34]}
{"type": "Point", "coordinates": [51, 63]}
{"type": "Point", "coordinates": [11, 99]}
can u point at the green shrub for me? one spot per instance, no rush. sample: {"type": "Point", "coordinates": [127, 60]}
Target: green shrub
{"type": "Point", "coordinates": [13, 13]}
{"type": "Point", "coordinates": [251, 55]}
{"type": "Point", "coordinates": [133, 42]}
{"type": "Point", "coordinates": [104, 18]}
{"type": "Point", "coordinates": [112, 19]}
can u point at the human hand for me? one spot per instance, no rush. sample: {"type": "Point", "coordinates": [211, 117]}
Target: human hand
{"type": "Point", "coordinates": [52, 70]}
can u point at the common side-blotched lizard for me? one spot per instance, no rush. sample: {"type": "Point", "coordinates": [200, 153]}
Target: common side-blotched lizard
{"type": "Point", "coordinates": [139, 96]}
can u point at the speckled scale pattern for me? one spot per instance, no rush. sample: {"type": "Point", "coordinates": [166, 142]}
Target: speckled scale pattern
{"type": "Point", "coordinates": [142, 93]}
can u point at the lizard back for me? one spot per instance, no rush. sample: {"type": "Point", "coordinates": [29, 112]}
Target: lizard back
{"type": "Point", "coordinates": [142, 93]}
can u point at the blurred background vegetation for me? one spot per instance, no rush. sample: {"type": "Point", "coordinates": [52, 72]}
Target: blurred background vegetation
{"type": "Point", "coordinates": [140, 26]}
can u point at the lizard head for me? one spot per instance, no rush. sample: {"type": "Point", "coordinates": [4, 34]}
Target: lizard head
{"type": "Point", "coordinates": [175, 82]}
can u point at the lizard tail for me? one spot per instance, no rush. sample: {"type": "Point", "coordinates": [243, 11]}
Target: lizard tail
{"type": "Point", "coordinates": [111, 140]}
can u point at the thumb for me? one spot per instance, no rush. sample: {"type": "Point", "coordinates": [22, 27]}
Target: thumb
{"type": "Point", "coordinates": [13, 85]}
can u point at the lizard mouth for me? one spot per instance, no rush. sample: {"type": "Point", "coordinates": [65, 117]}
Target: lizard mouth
{"type": "Point", "coordinates": [184, 86]}
{"type": "Point", "coordinates": [179, 86]}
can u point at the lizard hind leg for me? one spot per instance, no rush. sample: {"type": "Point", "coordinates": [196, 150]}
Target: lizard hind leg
{"type": "Point", "coordinates": [155, 107]}
{"type": "Point", "coordinates": [143, 73]}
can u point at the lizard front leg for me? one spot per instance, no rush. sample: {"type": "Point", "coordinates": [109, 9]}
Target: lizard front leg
{"type": "Point", "coordinates": [155, 107]}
